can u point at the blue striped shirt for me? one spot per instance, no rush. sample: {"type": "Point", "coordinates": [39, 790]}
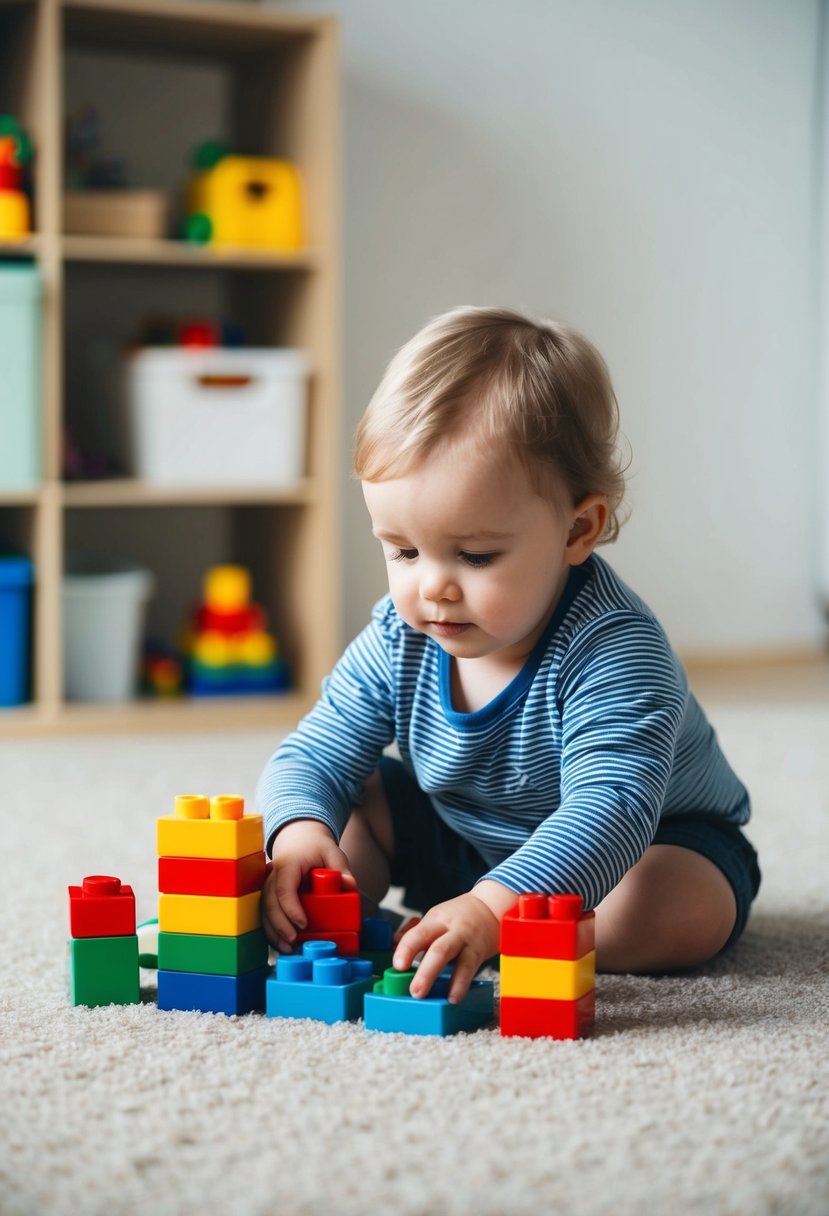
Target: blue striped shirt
{"type": "Point", "coordinates": [560, 781]}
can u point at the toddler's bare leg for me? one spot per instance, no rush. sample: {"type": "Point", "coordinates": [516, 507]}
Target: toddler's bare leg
{"type": "Point", "coordinates": [368, 841]}
{"type": "Point", "coordinates": [674, 909]}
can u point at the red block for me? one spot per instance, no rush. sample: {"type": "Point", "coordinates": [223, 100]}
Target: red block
{"type": "Point", "coordinates": [548, 926]}
{"type": "Point", "coordinates": [346, 941]}
{"type": "Point", "coordinates": [250, 619]}
{"type": "Point", "coordinates": [101, 907]}
{"type": "Point", "coordinates": [211, 876]}
{"type": "Point", "coordinates": [533, 1018]}
{"type": "Point", "coordinates": [328, 905]}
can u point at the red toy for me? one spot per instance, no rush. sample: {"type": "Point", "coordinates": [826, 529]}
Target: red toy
{"type": "Point", "coordinates": [101, 907]}
{"type": "Point", "coordinates": [332, 912]}
{"type": "Point", "coordinates": [548, 968]}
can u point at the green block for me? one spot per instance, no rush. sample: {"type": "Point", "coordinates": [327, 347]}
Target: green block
{"type": "Point", "coordinates": [104, 970]}
{"type": "Point", "coordinates": [212, 955]}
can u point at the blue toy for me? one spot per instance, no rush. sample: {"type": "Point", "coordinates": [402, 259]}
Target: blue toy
{"type": "Point", "coordinates": [390, 1008]}
{"type": "Point", "coordinates": [212, 993]}
{"type": "Point", "coordinates": [318, 984]}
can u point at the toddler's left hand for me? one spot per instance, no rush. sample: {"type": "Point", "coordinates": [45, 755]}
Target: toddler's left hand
{"type": "Point", "coordinates": [464, 929]}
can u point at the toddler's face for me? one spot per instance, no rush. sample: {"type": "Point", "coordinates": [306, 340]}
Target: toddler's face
{"type": "Point", "coordinates": [476, 559]}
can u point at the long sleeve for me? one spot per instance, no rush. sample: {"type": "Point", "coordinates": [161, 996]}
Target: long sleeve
{"type": "Point", "coordinates": [319, 771]}
{"type": "Point", "coordinates": [621, 700]}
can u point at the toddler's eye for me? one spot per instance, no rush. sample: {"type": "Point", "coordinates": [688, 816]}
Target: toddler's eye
{"type": "Point", "coordinates": [477, 560]}
{"type": "Point", "coordinates": [403, 555]}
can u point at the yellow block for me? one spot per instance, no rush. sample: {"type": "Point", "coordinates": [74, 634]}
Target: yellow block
{"type": "Point", "coordinates": [204, 827]}
{"type": "Point", "coordinates": [550, 979]}
{"type": "Point", "coordinates": [218, 915]}
{"type": "Point", "coordinates": [251, 201]}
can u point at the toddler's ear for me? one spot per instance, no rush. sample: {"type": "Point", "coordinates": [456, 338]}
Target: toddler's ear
{"type": "Point", "coordinates": [587, 528]}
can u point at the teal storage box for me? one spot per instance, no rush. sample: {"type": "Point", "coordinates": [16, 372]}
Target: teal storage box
{"type": "Point", "coordinates": [20, 360]}
{"type": "Point", "coordinates": [15, 629]}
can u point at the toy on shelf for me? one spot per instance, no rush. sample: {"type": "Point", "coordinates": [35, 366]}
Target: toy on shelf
{"type": "Point", "coordinates": [15, 155]}
{"type": "Point", "coordinates": [548, 966]}
{"type": "Point", "coordinates": [390, 1007]}
{"type": "Point", "coordinates": [212, 953]}
{"type": "Point", "coordinates": [318, 984]}
{"type": "Point", "coordinates": [249, 201]}
{"type": "Point", "coordinates": [226, 647]}
{"type": "Point", "coordinates": [103, 951]}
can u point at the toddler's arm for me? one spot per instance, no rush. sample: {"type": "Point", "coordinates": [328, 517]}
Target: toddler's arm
{"type": "Point", "coordinates": [298, 847]}
{"type": "Point", "coordinates": [466, 929]}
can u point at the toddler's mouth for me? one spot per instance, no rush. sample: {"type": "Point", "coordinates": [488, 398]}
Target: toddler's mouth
{"type": "Point", "coordinates": [450, 629]}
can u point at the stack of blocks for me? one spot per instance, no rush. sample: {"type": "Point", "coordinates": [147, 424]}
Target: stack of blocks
{"type": "Point", "coordinates": [227, 647]}
{"type": "Point", "coordinates": [212, 953]}
{"type": "Point", "coordinates": [548, 967]}
{"type": "Point", "coordinates": [103, 952]}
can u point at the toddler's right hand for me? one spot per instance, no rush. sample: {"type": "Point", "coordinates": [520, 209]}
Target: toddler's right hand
{"type": "Point", "coordinates": [299, 847]}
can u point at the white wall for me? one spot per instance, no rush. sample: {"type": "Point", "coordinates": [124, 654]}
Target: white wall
{"type": "Point", "coordinates": [647, 171]}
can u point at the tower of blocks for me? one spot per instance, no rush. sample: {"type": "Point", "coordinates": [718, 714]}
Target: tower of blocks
{"type": "Point", "coordinates": [226, 646]}
{"type": "Point", "coordinates": [212, 953]}
{"type": "Point", "coordinates": [103, 952]}
{"type": "Point", "coordinates": [548, 968]}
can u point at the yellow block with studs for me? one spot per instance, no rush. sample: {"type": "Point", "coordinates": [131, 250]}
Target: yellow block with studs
{"type": "Point", "coordinates": [217, 915]}
{"type": "Point", "coordinates": [550, 979]}
{"type": "Point", "coordinates": [209, 827]}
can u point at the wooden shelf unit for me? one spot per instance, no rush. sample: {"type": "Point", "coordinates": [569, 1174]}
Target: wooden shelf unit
{"type": "Point", "coordinates": [281, 72]}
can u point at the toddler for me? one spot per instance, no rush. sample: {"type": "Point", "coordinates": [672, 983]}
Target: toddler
{"type": "Point", "coordinates": [546, 734]}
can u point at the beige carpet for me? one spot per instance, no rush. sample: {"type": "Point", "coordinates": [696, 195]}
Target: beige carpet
{"type": "Point", "coordinates": [705, 1094]}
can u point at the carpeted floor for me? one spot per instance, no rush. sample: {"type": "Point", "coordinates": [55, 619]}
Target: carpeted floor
{"type": "Point", "coordinates": [703, 1094]}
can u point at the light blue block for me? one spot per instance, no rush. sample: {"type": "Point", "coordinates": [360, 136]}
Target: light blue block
{"type": "Point", "coordinates": [433, 1014]}
{"type": "Point", "coordinates": [20, 363]}
{"type": "Point", "coordinates": [318, 984]}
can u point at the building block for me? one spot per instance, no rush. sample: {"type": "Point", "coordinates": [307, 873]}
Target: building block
{"type": "Point", "coordinates": [216, 828]}
{"type": "Point", "coordinates": [532, 1018]}
{"type": "Point", "coordinates": [548, 926]}
{"type": "Point", "coordinates": [217, 915]}
{"type": "Point", "coordinates": [229, 994]}
{"type": "Point", "coordinates": [211, 954]}
{"type": "Point", "coordinates": [211, 875]}
{"type": "Point", "coordinates": [318, 984]}
{"type": "Point", "coordinates": [376, 943]}
{"type": "Point", "coordinates": [327, 904]}
{"type": "Point", "coordinates": [389, 1007]}
{"type": "Point", "coordinates": [548, 978]}
{"type": "Point", "coordinates": [101, 907]}
{"type": "Point", "coordinates": [104, 970]}
{"type": "Point", "coordinates": [347, 941]}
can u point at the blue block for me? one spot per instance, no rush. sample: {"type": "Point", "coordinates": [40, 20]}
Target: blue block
{"type": "Point", "coordinates": [318, 984]}
{"type": "Point", "coordinates": [432, 1014]}
{"type": "Point", "coordinates": [212, 993]}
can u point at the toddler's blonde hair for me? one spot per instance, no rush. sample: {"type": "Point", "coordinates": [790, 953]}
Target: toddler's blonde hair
{"type": "Point", "coordinates": [535, 385]}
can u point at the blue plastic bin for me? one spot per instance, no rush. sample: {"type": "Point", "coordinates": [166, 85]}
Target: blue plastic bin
{"type": "Point", "coordinates": [15, 629]}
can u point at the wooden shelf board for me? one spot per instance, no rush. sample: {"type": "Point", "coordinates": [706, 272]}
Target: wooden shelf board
{"type": "Point", "coordinates": [180, 253]}
{"type": "Point", "coordinates": [131, 493]}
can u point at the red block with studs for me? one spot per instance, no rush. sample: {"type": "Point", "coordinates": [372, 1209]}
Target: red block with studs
{"type": "Point", "coordinates": [328, 904]}
{"type": "Point", "coordinates": [101, 907]}
{"type": "Point", "coordinates": [548, 926]}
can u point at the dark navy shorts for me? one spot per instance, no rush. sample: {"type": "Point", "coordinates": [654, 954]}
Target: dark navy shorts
{"type": "Point", "coordinates": [432, 863]}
